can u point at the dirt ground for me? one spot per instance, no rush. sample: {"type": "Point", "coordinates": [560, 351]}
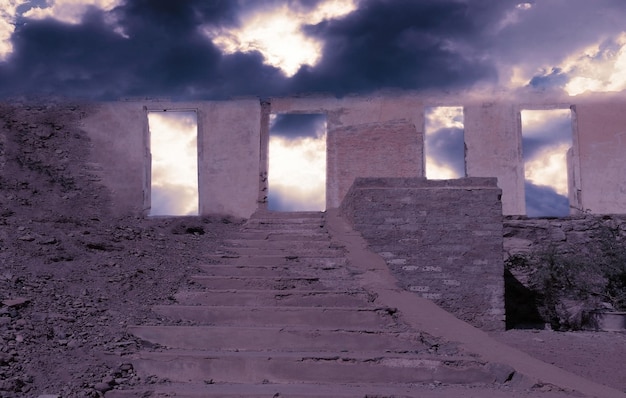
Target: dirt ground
{"type": "Point", "coordinates": [597, 356]}
{"type": "Point", "coordinates": [73, 275]}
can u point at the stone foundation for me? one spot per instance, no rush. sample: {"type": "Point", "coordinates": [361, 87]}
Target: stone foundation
{"type": "Point", "coordinates": [529, 235]}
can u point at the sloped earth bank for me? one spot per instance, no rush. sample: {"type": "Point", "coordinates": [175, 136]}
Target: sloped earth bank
{"type": "Point", "coordinates": [72, 275]}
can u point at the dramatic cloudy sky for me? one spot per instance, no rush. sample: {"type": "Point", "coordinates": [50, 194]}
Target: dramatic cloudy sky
{"type": "Point", "coordinates": [222, 48]}
{"type": "Point", "coordinates": [216, 49]}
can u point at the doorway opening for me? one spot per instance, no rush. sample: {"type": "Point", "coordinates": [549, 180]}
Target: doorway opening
{"type": "Point", "coordinates": [174, 163]}
{"type": "Point", "coordinates": [444, 143]}
{"type": "Point", "coordinates": [546, 146]}
{"type": "Point", "coordinates": [297, 162]}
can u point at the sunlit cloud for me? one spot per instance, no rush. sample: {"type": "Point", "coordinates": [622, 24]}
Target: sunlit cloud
{"type": "Point", "coordinates": [599, 67]}
{"type": "Point", "coordinates": [546, 140]}
{"type": "Point", "coordinates": [8, 13]}
{"type": "Point", "coordinates": [297, 173]}
{"type": "Point", "coordinates": [69, 11]}
{"type": "Point", "coordinates": [277, 34]}
{"type": "Point", "coordinates": [549, 168]}
{"type": "Point", "coordinates": [173, 146]}
{"type": "Point", "coordinates": [534, 122]}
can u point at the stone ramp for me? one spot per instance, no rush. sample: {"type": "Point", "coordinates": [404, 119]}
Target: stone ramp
{"type": "Point", "coordinates": [251, 330]}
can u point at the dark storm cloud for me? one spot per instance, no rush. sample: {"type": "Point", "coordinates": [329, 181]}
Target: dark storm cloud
{"type": "Point", "coordinates": [554, 131]}
{"type": "Point", "coordinates": [543, 201]}
{"type": "Point", "coordinates": [447, 146]}
{"type": "Point", "coordinates": [165, 54]}
{"type": "Point", "coordinates": [298, 125]}
{"type": "Point", "coordinates": [401, 44]}
{"type": "Point", "coordinates": [556, 78]}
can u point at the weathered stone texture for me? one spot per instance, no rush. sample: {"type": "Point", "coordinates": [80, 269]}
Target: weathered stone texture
{"type": "Point", "coordinates": [388, 149]}
{"type": "Point", "coordinates": [531, 235]}
{"type": "Point", "coordinates": [442, 239]}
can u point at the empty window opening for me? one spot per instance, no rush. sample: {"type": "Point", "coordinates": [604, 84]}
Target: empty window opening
{"type": "Point", "coordinates": [174, 163]}
{"type": "Point", "coordinates": [546, 141]}
{"type": "Point", "coordinates": [444, 143]}
{"type": "Point", "coordinates": [297, 162]}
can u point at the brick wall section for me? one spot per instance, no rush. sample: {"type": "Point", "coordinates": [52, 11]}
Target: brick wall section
{"type": "Point", "coordinates": [442, 239]}
{"type": "Point", "coordinates": [386, 149]}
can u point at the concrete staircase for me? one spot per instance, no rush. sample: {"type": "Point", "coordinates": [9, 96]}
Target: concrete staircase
{"type": "Point", "coordinates": [281, 314]}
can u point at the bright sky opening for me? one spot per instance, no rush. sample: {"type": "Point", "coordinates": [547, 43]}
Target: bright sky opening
{"type": "Point", "coordinates": [173, 146]}
{"type": "Point", "coordinates": [277, 34]}
{"type": "Point", "coordinates": [547, 138]}
{"type": "Point", "coordinates": [439, 150]}
{"type": "Point", "coordinates": [549, 168]}
{"type": "Point", "coordinates": [297, 173]}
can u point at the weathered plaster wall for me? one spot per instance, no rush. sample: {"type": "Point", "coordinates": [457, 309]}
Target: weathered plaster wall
{"type": "Point", "coordinates": [230, 156]}
{"type": "Point", "coordinates": [493, 149]}
{"type": "Point", "coordinates": [602, 146]}
{"type": "Point", "coordinates": [492, 139]}
{"type": "Point", "coordinates": [377, 136]}
{"type": "Point", "coordinates": [228, 153]}
{"type": "Point", "coordinates": [117, 131]}
{"type": "Point", "coordinates": [442, 239]}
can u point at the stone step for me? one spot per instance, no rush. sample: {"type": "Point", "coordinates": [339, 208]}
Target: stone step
{"type": "Point", "coordinates": [267, 298]}
{"type": "Point", "coordinates": [307, 367]}
{"type": "Point", "coordinates": [260, 283]}
{"type": "Point", "coordinates": [275, 271]}
{"type": "Point", "coordinates": [315, 317]}
{"type": "Point", "coordinates": [280, 236]}
{"type": "Point", "coordinates": [301, 252]}
{"type": "Point", "coordinates": [286, 227]}
{"type": "Point", "coordinates": [279, 244]}
{"type": "Point", "coordinates": [236, 259]}
{"type": "Point", "coordinates": [305, 222]}
{"type": "Point", "coordinates": [277, 339]}
{"type": "Point", "coordinates": [208, 389]}
{"type": "Point", "coordinates": [286, 215]}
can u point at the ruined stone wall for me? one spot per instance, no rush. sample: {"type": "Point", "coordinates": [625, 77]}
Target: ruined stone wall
{"type": "Point", "coordinates": [572, 234]}
{"type": "Point", "coordinates": [228, 153]}
{"type": "Point", "coordinates": [378, 136]}
{"type": "Point", "coordinates": [442, 239]}
{"type": "Point", "coordinates": [368, 136]}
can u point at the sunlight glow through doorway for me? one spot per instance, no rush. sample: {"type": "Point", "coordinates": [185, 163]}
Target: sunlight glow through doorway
{"type": "Point", "coordinates": [546, 140]}
{"type": "Point", "coordinates": [174, 164]}
{"type": "Point", "coordinates": [297, 162]}
{"type": "Point", "coordinates": [444, 143]}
